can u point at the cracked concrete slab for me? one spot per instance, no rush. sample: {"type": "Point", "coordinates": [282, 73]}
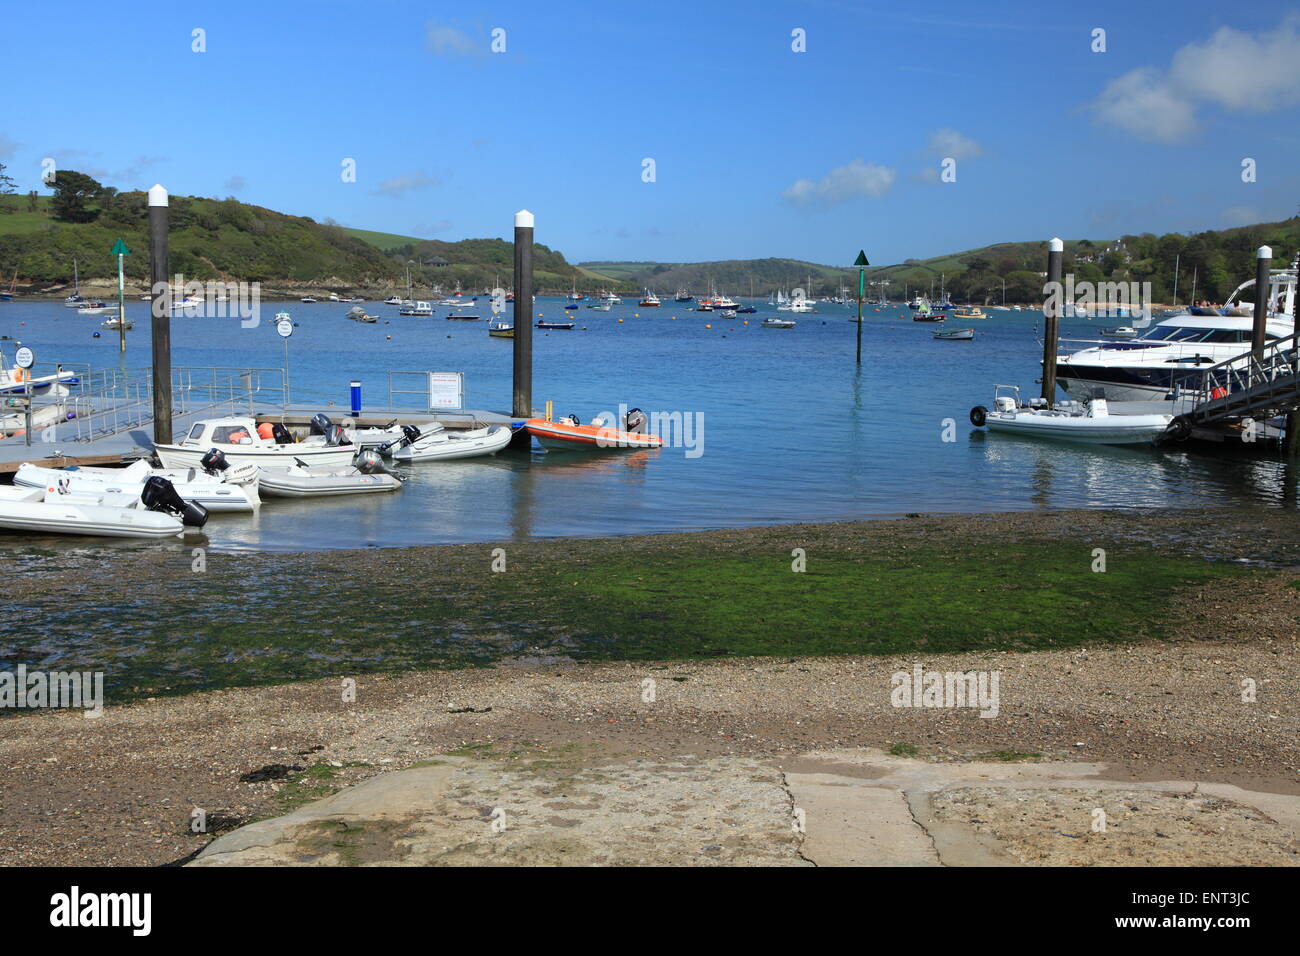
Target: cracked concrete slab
{"type": "Point", "coordinates": [849, 807]}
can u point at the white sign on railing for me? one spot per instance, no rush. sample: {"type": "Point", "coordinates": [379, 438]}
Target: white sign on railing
{"type": "Point", "coordinates": [446, 390]}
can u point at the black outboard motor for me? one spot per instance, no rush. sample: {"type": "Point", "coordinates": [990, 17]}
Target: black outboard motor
{"type": "Point", "coordinates": [214, 462]}
{"type": "Point", "coordinates": [410, 434]}
{"type": "Point", "coordinates": [635, 422]}
{"type": "Point", "coordinates": [281, 435]}
{"type": "Point", "coordinates": [320, 424]}
{"type": "Point", "coordinates": [334, 435]}
{"type": "Point", "coordinates": [368, 462]}
{"type": "Point", "coordinates": [159, 495]}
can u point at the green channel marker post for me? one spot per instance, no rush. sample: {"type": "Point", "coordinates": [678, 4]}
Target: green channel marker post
{"type": "Point", "coordinates": [120, 250]}
{"type": "Point", "coordinates": [862, 263]}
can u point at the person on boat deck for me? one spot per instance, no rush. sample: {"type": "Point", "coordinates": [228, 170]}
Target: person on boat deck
{"type": "Point", "coordinates": [240, 437]}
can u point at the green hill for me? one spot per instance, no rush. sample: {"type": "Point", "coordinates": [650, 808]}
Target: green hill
{"type": "Point", "coordinates": [228, 240]}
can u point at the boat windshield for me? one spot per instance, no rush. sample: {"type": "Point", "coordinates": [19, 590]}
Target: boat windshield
{"type": "Point", "coordinates": [1182, 333]}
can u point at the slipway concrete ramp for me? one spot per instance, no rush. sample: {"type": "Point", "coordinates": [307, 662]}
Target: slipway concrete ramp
{"type": "Point", "coordinates": [829, 808]}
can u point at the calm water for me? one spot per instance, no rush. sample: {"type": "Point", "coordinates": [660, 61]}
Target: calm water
{"type": "Point", "coordinates": [793, 431]}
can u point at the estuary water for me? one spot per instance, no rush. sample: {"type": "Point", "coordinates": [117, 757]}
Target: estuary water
{"type": "Point", "coordinates": [786, 427]}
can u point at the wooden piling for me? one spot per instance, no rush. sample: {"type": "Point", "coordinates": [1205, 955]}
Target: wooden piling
{"type": "Point", "coordinates": [161, 309]}
{"type": "Point", "coordinates": [523, 341]}
{"type": "Point", "coordinates": [1052, 318]}
{"type": "Point", "coordinates": [1263, 259]}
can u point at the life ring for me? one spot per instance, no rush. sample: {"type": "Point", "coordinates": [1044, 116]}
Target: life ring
{"type": "Point", "coordinates": [978, 416]}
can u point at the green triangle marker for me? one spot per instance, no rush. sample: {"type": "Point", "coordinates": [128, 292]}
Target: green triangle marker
{"type": "Point", "coordinates": [120, 249]}
{"type": "Point", "coordinates": [861, 259]}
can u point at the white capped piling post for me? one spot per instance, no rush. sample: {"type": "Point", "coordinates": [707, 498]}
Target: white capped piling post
{"type": "Point", "coordinates": [523, 342]}
{"type": "Point", "coordinates": [1052, 318]}
{"type": "Point", "coordinates": [162, 317]}
{"type": "Point", "coordinates": [1263, 259]}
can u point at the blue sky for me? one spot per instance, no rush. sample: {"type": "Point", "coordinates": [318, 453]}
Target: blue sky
{"type": "Point", "coordinates": [758, 150]}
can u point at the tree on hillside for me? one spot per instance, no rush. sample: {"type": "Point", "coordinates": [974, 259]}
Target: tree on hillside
{"type": "Point", "coordinates": [7, 189]}
{"type": "Point", "coordinates": [73, 193]}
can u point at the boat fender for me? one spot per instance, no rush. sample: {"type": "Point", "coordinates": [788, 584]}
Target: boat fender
{"type": "Point", "coordinates": [635, 421]}
{"type": "Point", "coordinates": [214, 462]}
{"type": "Point", "coordinates": [978, 416]}
{"type": "Point", "coordinates": [159, 495]}
{"type": "Point", "coordinates": [1180, 429]}
{"type": "Point", "coordinates": [320, 423]}
{"type": "Point", "coordinates": [281, 435]}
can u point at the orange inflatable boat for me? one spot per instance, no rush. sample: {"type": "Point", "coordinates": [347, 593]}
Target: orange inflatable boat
{"type": "Point", "coordinates": [568, 434]}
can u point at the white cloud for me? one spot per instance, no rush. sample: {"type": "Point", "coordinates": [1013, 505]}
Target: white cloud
{"type": "Point", "coordinates": [948, 142]}
{"type": "Point", "coordinates": [7, 147]}
{"type": "Point", "coordinates": [1143, 103]}
{"type": "Point", "coordinates": [397, 186]}
{"type": "Point", "coordinates": [850, 181]}
{"type": "Point", "coordinates": [443, 41]}
{"type": "Point", "coordinates": [1241, 216]}
{"type": "Point", "coordinates": [1232, 69]}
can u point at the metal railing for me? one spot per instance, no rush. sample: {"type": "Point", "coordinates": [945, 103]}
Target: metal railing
{"type": "Point", "coordinates": [106, 402]}
{"type": "Point", "coordinates": [1266, 381]}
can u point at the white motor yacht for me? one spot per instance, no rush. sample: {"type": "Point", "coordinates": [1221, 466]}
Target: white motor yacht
{"type": "Point", "coordinates": [1174, 351]}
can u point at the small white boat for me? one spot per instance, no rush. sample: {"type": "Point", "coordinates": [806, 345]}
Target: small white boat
{"type": "Point", "coordinates": [393, 300]}
{"type": "Point", "coordinates": [358, 314]}
{"type": "Point", "coordinates": [417, 308]}
{"type": "Point", "coordinates": [300, 480]}
{"type": "Point", "coordinates": [1120, 332]}
{"type": "Point", "coordinates": [15, 423]}
{"type": "Point", "coordinates": [96, 308]}
{"type": "Point", "coordinates": [234, 490]}
{"type": "Point", "coordinates": [436, 443]}
{"type": "Point", "coordinates": [15, 380]}
{"type": "Point", "coordinates": [115, 323]}
{"type": "Point", "coordinates": [191, 303]}
{"type": "Point", "coordinates": [238, 439]}
{"type": "Point", "coordinates": [155, 512]}
{"type": "Point", "coordinates": [603, 306]}
{"type": "Point", "coordinates": [368, 437]}
{"type": "Point", "coordinates": [955, 335]}
{"type": "Point", "coordinates": [778, 323]}
{"type": "Point", "coordinates": [309, 299]}
{"type": "Point", "coordinates": [1068, 421]}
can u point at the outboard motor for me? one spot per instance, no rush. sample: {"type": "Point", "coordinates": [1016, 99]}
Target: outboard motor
{"type": "Point", "coordinates": [281, 435]}
{"type": "Point", "coordinates": [368, 462]}
{"type": "Point", "coordinates": [410, 435]}
{"type": "Point", "coordinates": [334, 435]}
{"type": "Point", "coordinates": [159, 495]}
{"type": "Point", "coordinates": [214, 462]}
{"type": "Point", "coordinates": [320, 424]}
{"type": "Point", "coordinates": [571, 420]}
{"type": "Point", "coordinates": [635, 422]}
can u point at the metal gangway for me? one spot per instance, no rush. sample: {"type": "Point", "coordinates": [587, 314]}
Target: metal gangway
{"type": "Point", "coordinates": [1258, 385]}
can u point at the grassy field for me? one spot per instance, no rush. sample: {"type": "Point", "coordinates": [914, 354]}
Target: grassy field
{"type": "Point", "coordinates": [384, 241]}
{"type": "Point", "coordinates": [157, 628]}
